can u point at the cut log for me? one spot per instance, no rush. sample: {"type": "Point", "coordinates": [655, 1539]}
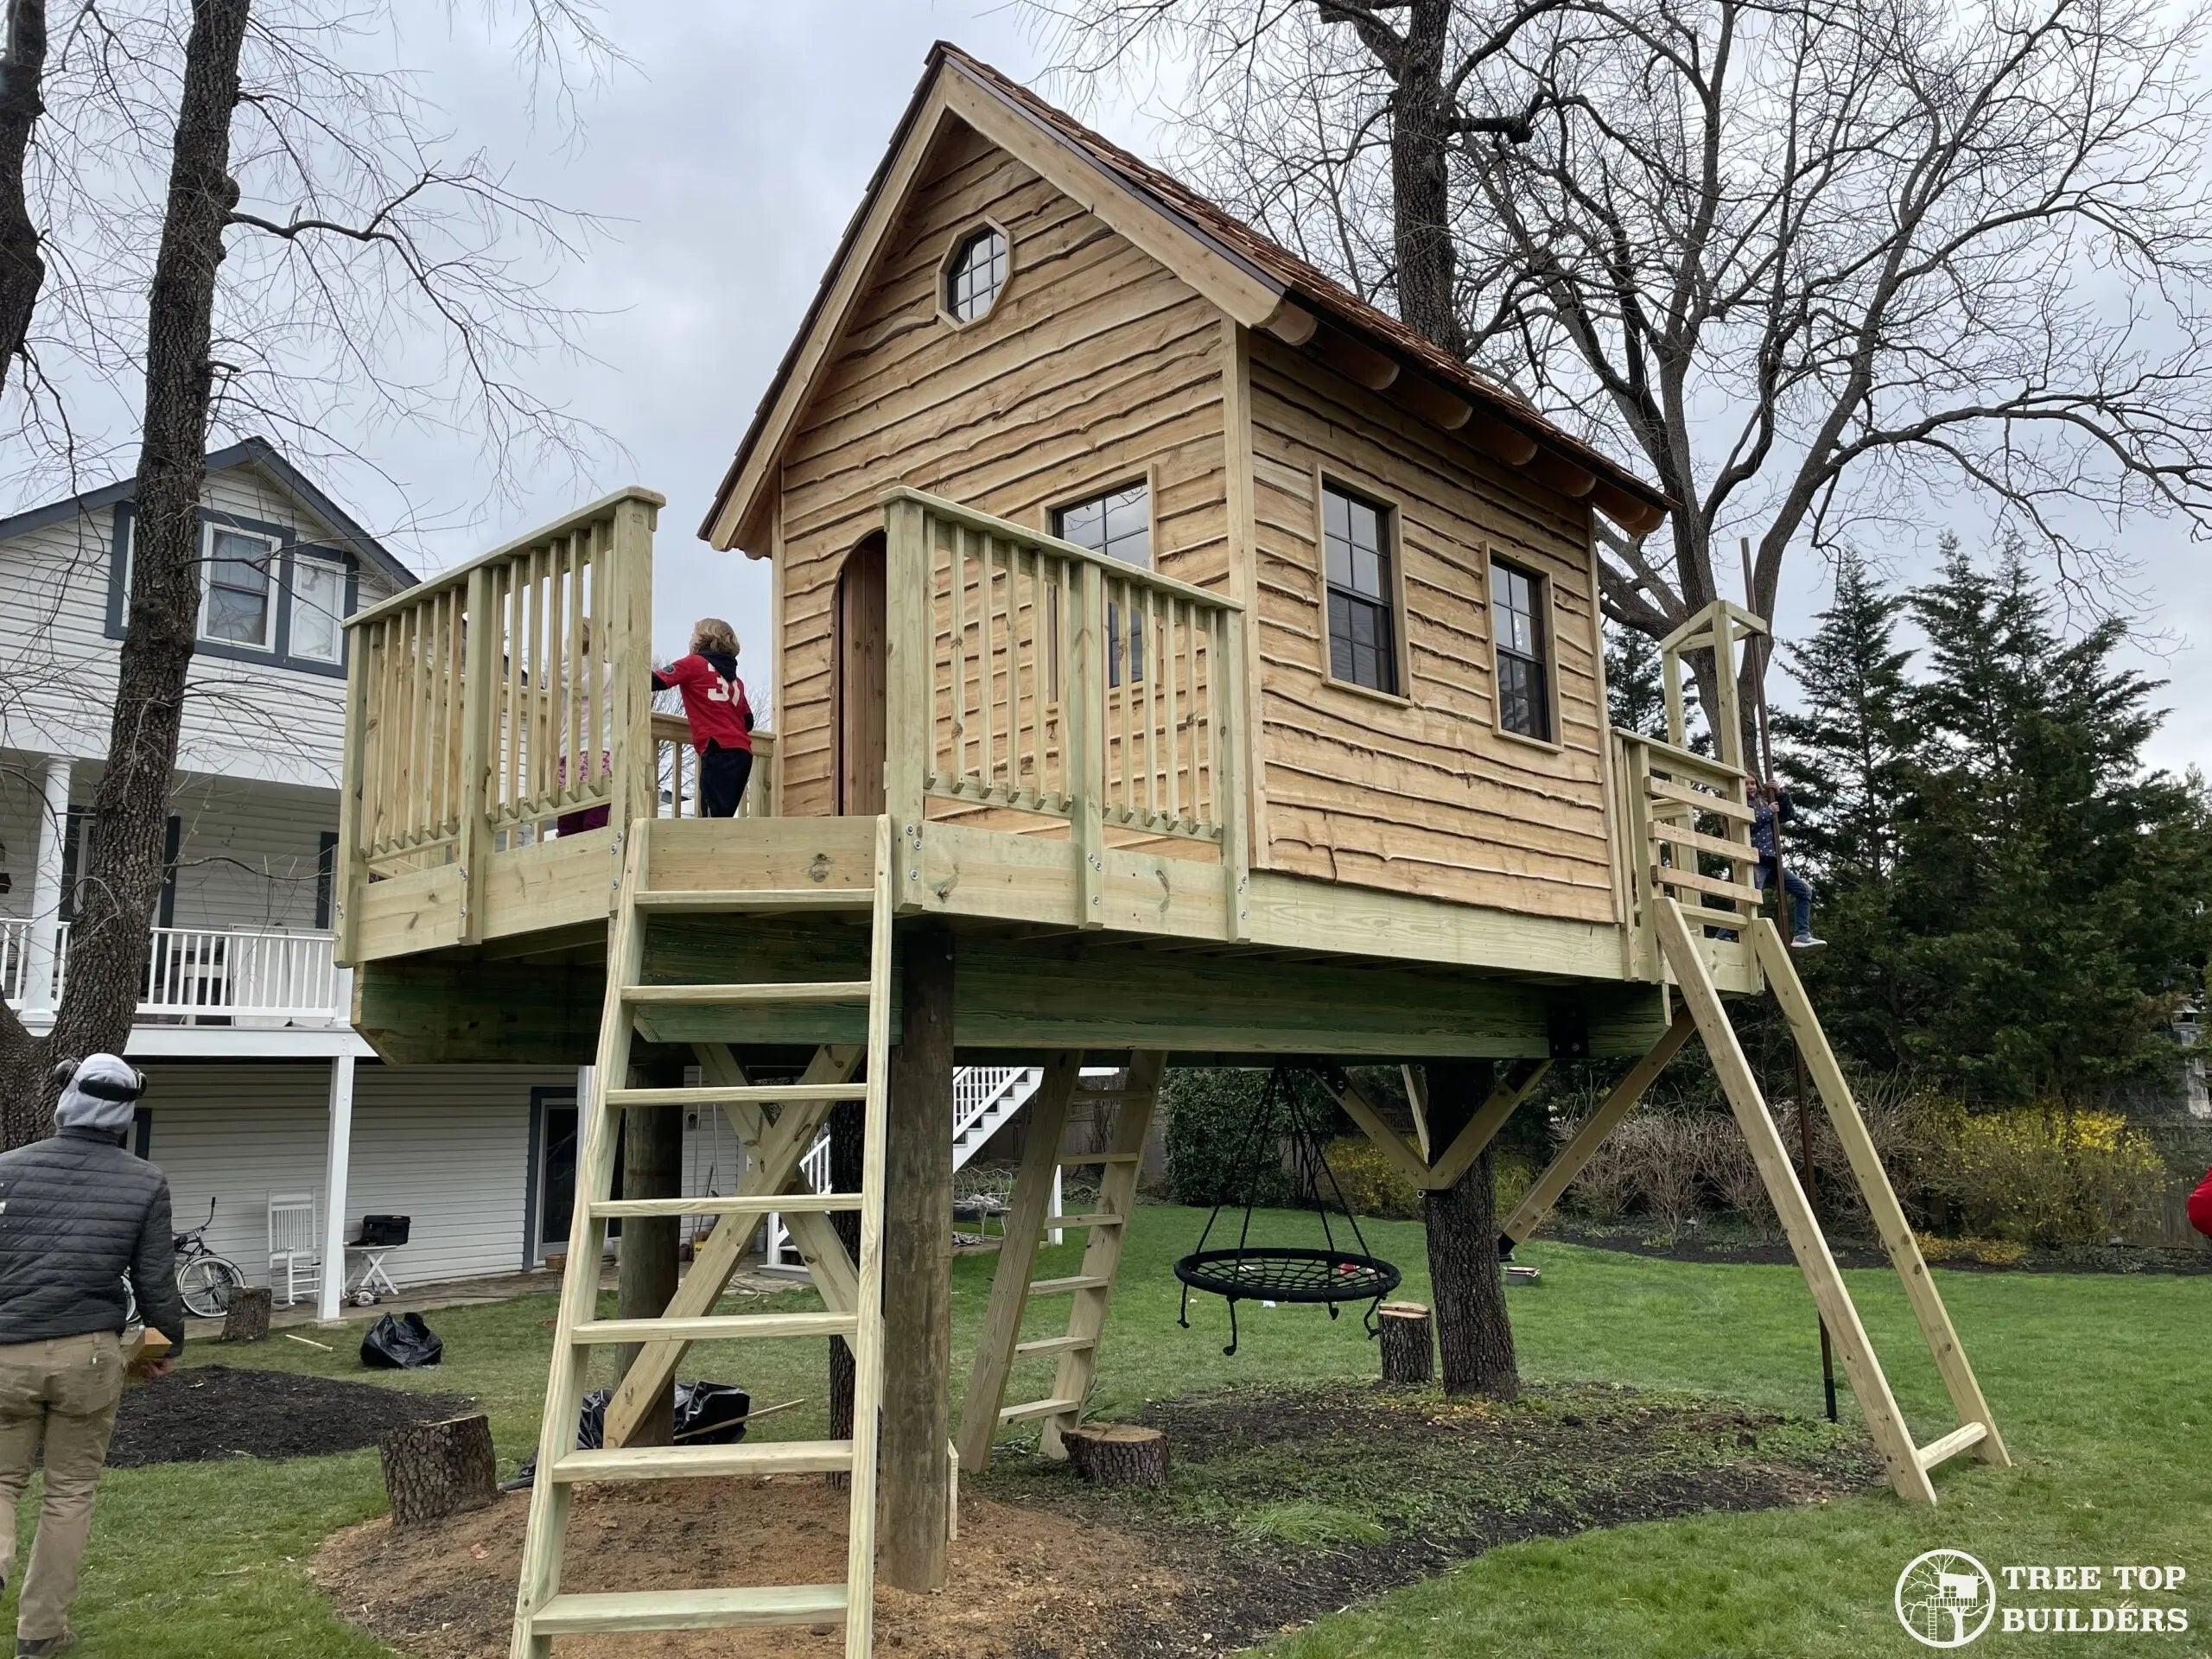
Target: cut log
{"type": "Point", "coordinates": [247, 1319]}
{"type": "Point", "coordinates": [1408, 1343]}
{"type": "Point", "coordinates": [435, 1469]}
{"type": "Point", "coordinates": [1117, 1454]}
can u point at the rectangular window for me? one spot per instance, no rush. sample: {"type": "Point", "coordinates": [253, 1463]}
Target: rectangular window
{"type": "Point", "coordinates": [1516, 609]}
{"type": "Point", "coordinates": [1119, 525]}
{"type": "Point", "coordinates": [318, 608]}
{"type": "Point", "coordinates": [241, 580]}
{"type": "Point", "coordinates": [1363, 595]}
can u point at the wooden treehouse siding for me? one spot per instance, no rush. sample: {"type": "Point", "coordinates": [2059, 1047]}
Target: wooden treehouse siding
{"type": "Point", "coordinates": [1095, 366]}
{"type": "Point", "coordinates": [1423, 795]}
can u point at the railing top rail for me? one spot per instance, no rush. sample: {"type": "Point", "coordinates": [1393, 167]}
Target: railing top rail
{"type": "Point", "coordinates": [458, 576]}
{"type": "Point", "coordinates": [953, 513]}
{"type": "Point", "coordinates": [1681, 759]}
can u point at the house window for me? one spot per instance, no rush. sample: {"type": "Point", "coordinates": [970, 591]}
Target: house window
{"type": "Point", "coordinates": [239, 607]}
{"type": "Point", "coordinates": [1119, 525]}
{"type": "Point", "coordinates": [318, 609]}
{"type": "Point", "coordinates": [325, 877]}
{"type": "Point", "coordinates": [1516, 608]}
{"type": "Point", "coordinates": [976, 274]}
{"type": "Point", "coordinates": [1362, 594]}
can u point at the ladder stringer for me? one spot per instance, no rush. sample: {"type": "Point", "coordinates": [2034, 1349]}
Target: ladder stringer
{"type": "Point", "coordinates": [1882, 1204]}
{"type": "Point", "coordinates": [1885, 1423]}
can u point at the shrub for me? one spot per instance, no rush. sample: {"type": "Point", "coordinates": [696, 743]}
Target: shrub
{"type": "Point", "coordinates": [2044, 1175]}
{"type": "Point", "coordinates": [1371, 1183]}
{"type": "Point", "coordinates": [1212, 1156]}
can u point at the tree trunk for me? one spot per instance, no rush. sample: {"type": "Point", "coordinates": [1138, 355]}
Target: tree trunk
{"type": "Point", "coordinates": [918, 1270]}
{"type": "Point", "coordinates": [435, 1469]}
{"type": "Point", "coordinates": [847, 1132]}
{"type": "Point", "coordinates": [245, 1318]}
{"type": "Point", "coordinates": [109, 939]}
{"type": "Point", "coordinates": [23, 272]}
{"type": "Point", "coordinates": [1420, 183]}
{"type": "Point", "coordinates": [653, 1167]}
{"type": "Point", "coordinates": [1408, 1344]}
{"type": "Point", "coordinates": [1117, 1454]}
{"type": "Point", "coordinates": [1473, 1332]}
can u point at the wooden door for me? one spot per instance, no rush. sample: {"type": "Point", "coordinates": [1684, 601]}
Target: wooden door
{"type": "Point", "coordinates": [862, 649]}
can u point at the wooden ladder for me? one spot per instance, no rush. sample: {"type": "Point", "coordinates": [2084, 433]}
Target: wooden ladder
{"type": "Point", "coordinates": [543, 1609]}
{"type": "Point", "coordinates": [1906, 1463]}
{"type": "Point", "coordinates": [1090, 1290]}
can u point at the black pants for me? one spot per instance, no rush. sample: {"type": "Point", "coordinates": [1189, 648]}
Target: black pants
{"type": "Point", "coordinates": [722, 773]}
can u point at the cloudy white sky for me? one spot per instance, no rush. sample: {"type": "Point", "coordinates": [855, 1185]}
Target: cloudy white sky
{"type": "Point", "coordinates": [730, 153]}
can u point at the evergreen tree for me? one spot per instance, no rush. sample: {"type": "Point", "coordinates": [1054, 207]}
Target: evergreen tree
{"type": "Point", "coordinates": [1635, 693]}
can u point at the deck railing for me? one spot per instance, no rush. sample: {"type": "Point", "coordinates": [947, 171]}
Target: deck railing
{"type": "Point", "coordinates": [486, 704]}
{"type": "Point", "coordinates": [1035, 677]}
{"type": "Point", "coordinates": [196, 975]}
{"type": "Point", "coordinates": [675, 771]}
{"type": "Point", "coordinates": [1686, 832]}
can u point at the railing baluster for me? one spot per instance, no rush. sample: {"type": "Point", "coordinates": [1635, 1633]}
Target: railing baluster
{"type": "Point", "coordinates": [580, 767]}
{"type": "Point", "coordinates": [959, 550]}
{"type": "Point", "coordinates": [1148, 659]}
{"type": "Point", "coordinates": [987, 659]}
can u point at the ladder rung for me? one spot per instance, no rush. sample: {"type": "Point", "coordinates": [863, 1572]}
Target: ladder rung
{"type": "Point", "coordinates": [1959, 1439]}
{"type": "Point", "coordinates": [715, 1327]}
{"type": "Point", "coordinates": [1074, 1157]}
{"type": "Point", "coordinates": [785, 1204]}
{"type": "Point", "coordinates": [794, 990]}
{"type": "Point", "coordinates": [1100, 1219]}
{"type": "Point", "coordinates": [1056, 1345]}
{"type": "Point", "coordinates": [755, 1093]}
{"type": "Point", "coordinates": [1062, 1287]}
{"type": "Point", "coordinates": [738, 899]}
{"type": "Point", "coordinates": [689, 1462]}
{"type": "Point", "coordinates": [690, 1609]}
{"type": "Point", "coordinates": [1039, 1408]}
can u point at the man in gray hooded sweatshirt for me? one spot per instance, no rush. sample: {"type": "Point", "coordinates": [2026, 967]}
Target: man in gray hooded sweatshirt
{"type": "Point", "coordinates": [78, 1214]}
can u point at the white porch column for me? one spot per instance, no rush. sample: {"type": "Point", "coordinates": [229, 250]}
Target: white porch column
{"type": "Point", "coordinates": [46, 888]}
{"type": "Point", "coordinates": [335, 1202]}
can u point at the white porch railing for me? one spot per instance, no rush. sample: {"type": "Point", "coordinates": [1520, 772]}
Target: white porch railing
{"type": "Point", "coordinates": [202, 974]}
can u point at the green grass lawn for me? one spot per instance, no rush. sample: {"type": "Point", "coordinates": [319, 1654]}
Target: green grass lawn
{"type": "Point", "coordinates": [2103, 1386]}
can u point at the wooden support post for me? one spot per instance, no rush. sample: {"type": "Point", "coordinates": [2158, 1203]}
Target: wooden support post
{"type": "Point", "coordinates": [1086, 728]}
{"type": "Point", "coordinates": [1884, 1423]}
{"type": "Point", "coordinates": [1896, 1232]}
{"type": "Point", "coordinates": [1231, 749]}
{"type": "Point", "coordinates": [1482, 1128]}
{"type": "Point", "coordinates": [918, 1268]}
{"type": "Point", "coordinates": [1361, 1110]}
{"type": "Point", "coordinates": [1408, 1344]}
{"type": "Point", "coordinates": [1626, 1093]}
{"type": "Point", "coordinates": [1025, 1222]}
{"type": "Point", "coordinates": [350, 880]}
{"type": "Point", "coordinates": [910, 708]}
{"type": "Point", "coordinates": [480, 664]}
{"type": "Point", "coordinates": [629, 607]}
{"type": "Point", "coordinates": [653, 1167]}
{"type": "Point", "coordinates": [434, 1470]}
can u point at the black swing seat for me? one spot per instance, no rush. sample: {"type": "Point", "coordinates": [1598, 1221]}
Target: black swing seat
{"type": "Point", "coordinates": [1288, 1274]}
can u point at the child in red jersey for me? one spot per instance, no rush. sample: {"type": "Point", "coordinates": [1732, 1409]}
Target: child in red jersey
{"type": "Point", "coordinates": [721, 720]}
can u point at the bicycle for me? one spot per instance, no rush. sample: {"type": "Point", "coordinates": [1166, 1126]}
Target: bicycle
{"type": "Point", "coordinates": [203, 1278]}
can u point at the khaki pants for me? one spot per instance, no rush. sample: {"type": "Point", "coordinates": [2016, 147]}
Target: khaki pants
{"type": "Point", "coordinates": [59, 1394]}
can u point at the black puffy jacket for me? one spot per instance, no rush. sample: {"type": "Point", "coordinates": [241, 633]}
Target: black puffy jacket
{"type": "Point", "coordinates": [77, 1213]}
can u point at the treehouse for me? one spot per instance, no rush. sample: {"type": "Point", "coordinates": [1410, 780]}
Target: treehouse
{"type": "Point", "coordinates": [1177, 660]}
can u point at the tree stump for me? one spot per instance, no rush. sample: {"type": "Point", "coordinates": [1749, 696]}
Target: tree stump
{"type": "Point", "coordinates": [1408, 1353]}
{"type": "Point", "coordinates": [247, 1319]}
{"type": "Point", "coordinates": [1117, 1454]}
{"type": "Point", "coordinates": [435, 1469]}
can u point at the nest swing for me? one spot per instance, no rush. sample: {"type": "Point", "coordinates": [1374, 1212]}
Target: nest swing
{"type": "Point", "coordinates": [1282, 1273]}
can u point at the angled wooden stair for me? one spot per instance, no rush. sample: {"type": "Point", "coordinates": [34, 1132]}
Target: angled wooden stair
{"type": "Point", "coordinates": [542, 1609]}
{"type": "Point", "coordinates": [1906, 1462]}
{"type": "Point", "coordinates": [1091, 1290]}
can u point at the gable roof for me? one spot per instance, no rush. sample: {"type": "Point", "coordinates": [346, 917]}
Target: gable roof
{"type": "Point", "coordinates": [262, 456]}
{"type": "Point", "coordinates": [1252, 279]}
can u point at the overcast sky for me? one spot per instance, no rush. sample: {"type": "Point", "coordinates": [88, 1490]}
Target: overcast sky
{"type": "Point", "coordinates": [731, 151]}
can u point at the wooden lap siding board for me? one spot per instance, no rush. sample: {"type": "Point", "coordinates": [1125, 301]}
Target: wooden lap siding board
{"type": "Point", "coordinates": [1428, 799]}
{"type": "Point", "coordinates": [1095, 367]}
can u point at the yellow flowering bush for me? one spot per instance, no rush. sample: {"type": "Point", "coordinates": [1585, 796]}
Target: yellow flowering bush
{"type": "Point", "coordinates": [2048, 1175]}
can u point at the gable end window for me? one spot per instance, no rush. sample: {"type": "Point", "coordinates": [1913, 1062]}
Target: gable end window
{"type": "Point", "coordinates": [1363, 591]}
{"type": "Point", "coordinates": [264, 596]}
{"type": "Point", "coordinates": [1524, 647]}
{"type": "Point", "coordinates": [975, 273]}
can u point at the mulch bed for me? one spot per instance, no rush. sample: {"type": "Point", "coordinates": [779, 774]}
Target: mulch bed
{"type": "Point", "coordinates": [201, 1412]}
{"type": "Point", "coordinates": [1703, 1247]}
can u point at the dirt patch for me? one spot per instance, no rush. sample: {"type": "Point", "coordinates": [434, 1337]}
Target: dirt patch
{"type": "Point", "coordinates": [1023, 1585]}
{"type": "Point", "coordinates": [1282, 1505]}
{"type": "Point", "coordinates": [204, 1412]}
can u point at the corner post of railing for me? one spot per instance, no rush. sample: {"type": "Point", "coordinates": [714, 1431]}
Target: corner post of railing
{"type": "Point", "coordinates": [1633, 779]}
{"type": "Point", "coordinates": [626, 604]}
{"type": "Point", "coordinates": [1086, 688]}
{"type": "Point", "coordinates": [350, 880]}
{"type": "Point", "coordinates": [480, 668]}
{"type": "Point", "coordinates": [1231, 747]}
{"type": "Point", "coordinates": [910, 701]}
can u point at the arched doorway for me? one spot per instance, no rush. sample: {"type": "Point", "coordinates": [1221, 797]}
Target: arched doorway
{"type": "Point", "coordinates": [859, 650]}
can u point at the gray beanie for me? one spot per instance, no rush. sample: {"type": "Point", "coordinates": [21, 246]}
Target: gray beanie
{"type": "Point", "coordinates": [99, 1096]}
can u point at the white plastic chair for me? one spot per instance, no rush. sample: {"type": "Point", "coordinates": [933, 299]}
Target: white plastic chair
{"type": "Point", "coordinates": [294, 1246]}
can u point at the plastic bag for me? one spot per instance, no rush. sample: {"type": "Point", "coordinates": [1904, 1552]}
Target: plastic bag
{"type": "Point", "coordinates": [401, 1344]}
{"type": "Point", "coordinates": [706, 1414]}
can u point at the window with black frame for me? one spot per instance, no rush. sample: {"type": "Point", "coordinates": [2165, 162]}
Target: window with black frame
{"type": "Point", "coordinates": [1119, 525]}
{"type": "Point", "coordinates": [1524, 695]}
{"type": "Point", "coordinates": [1362, 594]}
